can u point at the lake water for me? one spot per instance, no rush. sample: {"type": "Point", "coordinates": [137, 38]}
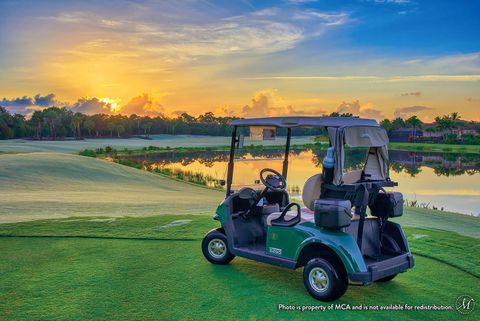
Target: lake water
{"type": "Point", "coordinates": [444, 180]}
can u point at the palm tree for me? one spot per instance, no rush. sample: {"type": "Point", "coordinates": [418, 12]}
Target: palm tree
{"type": "Point", "coordinates": [52, 120]}
{"type": "Point", "coordinates": [37, 119]}
{"type": "Point", "coordinates": [89, 125]}
{"type": "Point", "coordinates": [414, 122]}
{"type": "Point", "coordinates": [76, 122]}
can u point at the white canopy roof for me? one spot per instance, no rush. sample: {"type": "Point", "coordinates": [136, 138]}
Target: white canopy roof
{"type": "Point", "coordinates": [293, 121]}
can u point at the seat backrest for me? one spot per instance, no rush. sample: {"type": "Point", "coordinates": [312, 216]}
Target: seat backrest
{"type": "Point", "coordinates": [312, 190]}
{"type": "Point", "coordinates": [352, 177]}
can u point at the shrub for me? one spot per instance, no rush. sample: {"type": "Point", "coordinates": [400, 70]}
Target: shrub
{"type": "Point", "coordinates": [451, 139]}
{"type": "Point", "coordinates": [88, 153]}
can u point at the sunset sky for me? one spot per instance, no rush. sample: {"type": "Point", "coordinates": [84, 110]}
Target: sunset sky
{"type": "Point", "coordinates": [375, 58]}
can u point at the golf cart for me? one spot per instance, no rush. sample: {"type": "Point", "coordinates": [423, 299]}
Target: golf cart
{"type": "Point", "coordinates": [332, 237]}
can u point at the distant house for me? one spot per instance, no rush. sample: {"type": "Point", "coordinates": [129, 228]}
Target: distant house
{"type": "Point", "coordinates": [405, 134]}
{"type": "Point", "coordinates": [466, 130]}
{"type": "Point", "coordinates": [430, 132]}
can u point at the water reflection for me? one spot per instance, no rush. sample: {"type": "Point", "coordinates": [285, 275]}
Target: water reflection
{"type": "Point", "coordinates": [442, 179]}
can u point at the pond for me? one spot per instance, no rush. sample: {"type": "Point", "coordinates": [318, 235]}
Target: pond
{"type": "Point", "coordinates": [443, 180]}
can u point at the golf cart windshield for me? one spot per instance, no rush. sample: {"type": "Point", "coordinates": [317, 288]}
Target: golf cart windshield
{"type": "Point", "coordinates": [354, 132]}
{"type": "Point", "coordinates": [260, 147]}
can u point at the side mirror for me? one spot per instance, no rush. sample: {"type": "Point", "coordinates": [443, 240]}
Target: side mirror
{"type": "Point", "coordinates": [240, 141]}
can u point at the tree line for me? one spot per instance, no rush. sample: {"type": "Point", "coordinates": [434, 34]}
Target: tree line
{"type": "Point", "coordinates": [57, 123]}
{"type": "Point", "coordinates": [445, 124]}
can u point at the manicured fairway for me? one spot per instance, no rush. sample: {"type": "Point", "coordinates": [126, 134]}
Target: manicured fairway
{"type": "Point", "coordinates": [91, 239]}
{"type": "Point", "coordinates": [54, 185]}
{"type": "Point", "coordinates": [72, 146]}
{"type": "Point", "coordinates": [168, 278]}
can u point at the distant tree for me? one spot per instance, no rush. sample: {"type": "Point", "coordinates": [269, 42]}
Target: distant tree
{"type": "Point", "coordinates": [414, 122]}
{"type": "Point", "coordinates": [448, 123]}
{"type": "Point", "coordinates": [52, 120]}
{"type": "Point", "coordinates": [89, 125]}
{"type": "Point", "coordinates": [111, 127]}
{"type": "Point", "coordinates": [398, 123]}
{"type": "Point", "coordinates": [387, 125]}
{"type": "Point", "coordinates": [120, 129]}
{"type": "Point", "coordinates": [76, 123]}
{"type": "Point", "coordinates": [146, 126]}
{"type": "Point", "coordinates": [37, 120]}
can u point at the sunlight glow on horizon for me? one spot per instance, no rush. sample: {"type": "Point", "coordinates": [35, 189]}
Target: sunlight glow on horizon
{"type": "Point", "coordinates": [287, 59]}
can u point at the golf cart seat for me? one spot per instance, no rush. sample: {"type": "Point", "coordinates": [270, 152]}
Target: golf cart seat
{"type": "Point", "coordinates": [311, 193]}
{"type": "Point", "coordinates": [305, 216]}
{"type": "Point", "coordinates": [352, 177]}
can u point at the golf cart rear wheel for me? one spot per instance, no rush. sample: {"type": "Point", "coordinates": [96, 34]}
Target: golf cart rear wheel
{"type": "Point", "coordinates": [215, 249]}
{"type": "Point", "coordinates": [387, 278]}
{"type": "Point", "coordinates": [323, 280]}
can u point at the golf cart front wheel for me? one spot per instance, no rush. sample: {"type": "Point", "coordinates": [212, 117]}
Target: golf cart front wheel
{"type": "Point", "coordinates": [323, 281]}
{"type": "Point", "coordinates": [215, 249]}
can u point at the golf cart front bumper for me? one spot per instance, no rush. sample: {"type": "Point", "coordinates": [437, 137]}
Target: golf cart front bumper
{"type": "Point", "coordinates": [382, 269]}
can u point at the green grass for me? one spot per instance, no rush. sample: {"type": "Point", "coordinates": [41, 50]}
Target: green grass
{"type": "Point", "coordinates": [425, 147]}
{"type": "Point", "coordinates": [53, 185]}
{"type": "Point", "coordinates": [173, 141]}
{"type": "Point", "coordinates": [123, 244]}
{"type": "Point", "coordinates": [164, 278]}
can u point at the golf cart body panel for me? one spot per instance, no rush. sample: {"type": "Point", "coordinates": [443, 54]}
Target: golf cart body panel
{"type": "Point", "coordinates": [255, 224]}
{"type": "Point", "coordinates": [292, 241]}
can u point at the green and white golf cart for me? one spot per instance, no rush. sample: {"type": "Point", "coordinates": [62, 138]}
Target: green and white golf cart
{"type": "Point", "coordinates": [335, 244]}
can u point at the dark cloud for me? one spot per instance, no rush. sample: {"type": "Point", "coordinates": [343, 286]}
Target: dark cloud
{"type": "Point", "coordinates": [46, 101]}
{"type": "Point", "coordinates": [17, 102]}
{"type": "Point", "coordinates": [404, 112]}
{"type": "Point", "coordinates": [38, 100]}
{"type": "Point", "coordinates": [416, 94]}
{"type": "Point", "coordinates": [473, 100]}
{"type": "Point", "coordinates": [25, 105]}
{"type": "Point", "coordinates": [91, 106]}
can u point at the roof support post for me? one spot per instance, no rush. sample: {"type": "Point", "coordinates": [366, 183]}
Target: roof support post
{"type": "Point", "coordinates": [230, 161]}
{"type": "Point", "coordinates": [287, 151]}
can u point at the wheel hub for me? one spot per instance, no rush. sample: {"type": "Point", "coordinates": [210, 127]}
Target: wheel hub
{"type": "Point", "coordinates": [217, 248]}
{"type": "Point", "coordinates": [318, 279]}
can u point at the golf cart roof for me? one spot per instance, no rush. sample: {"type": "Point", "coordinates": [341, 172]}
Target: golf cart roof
{"type": "Point", "coordinates": [292, 121]}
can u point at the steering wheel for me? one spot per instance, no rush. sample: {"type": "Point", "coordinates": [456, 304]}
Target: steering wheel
{"type": "Point", "coordinates": [274, 180]}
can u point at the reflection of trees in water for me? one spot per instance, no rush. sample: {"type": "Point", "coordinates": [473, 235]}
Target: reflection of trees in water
{"type": "Point", "coordinates": [443, 164]}
{"type": "Point", "coordinates": [207, 158]}
{"type": "Point", "coordinates": [354, 158]}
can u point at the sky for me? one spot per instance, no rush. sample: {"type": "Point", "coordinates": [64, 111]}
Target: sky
{"type": "Point", "coordinates": [374, 58]}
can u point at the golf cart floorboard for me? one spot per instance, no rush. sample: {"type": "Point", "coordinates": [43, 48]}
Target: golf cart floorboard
{"type": "Point", "coordinates": [385, 265]}
{"type": "Point", "coordinates": [369, 260]}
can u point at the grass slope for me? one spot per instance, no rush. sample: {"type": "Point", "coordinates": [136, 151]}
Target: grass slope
{"type": "Point", "coordinates": [75, 278]}
{"type": "Point", "coordinates": [54, 185]}
{"type": "Point", "coordinates": [87, 268]}
{"type": "Point", "coordinates": [74, 146]}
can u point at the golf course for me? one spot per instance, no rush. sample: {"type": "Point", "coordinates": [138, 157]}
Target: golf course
{"type": "Point", "coordinates": [84, 238]}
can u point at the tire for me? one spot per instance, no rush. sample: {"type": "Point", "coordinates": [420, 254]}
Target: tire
{"type": "Point", "coordinates": [332, 287]}
{"type": "Point", "coordinates": [215, 249]}
{"type": "Point", "coordinates": [387, 278]}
